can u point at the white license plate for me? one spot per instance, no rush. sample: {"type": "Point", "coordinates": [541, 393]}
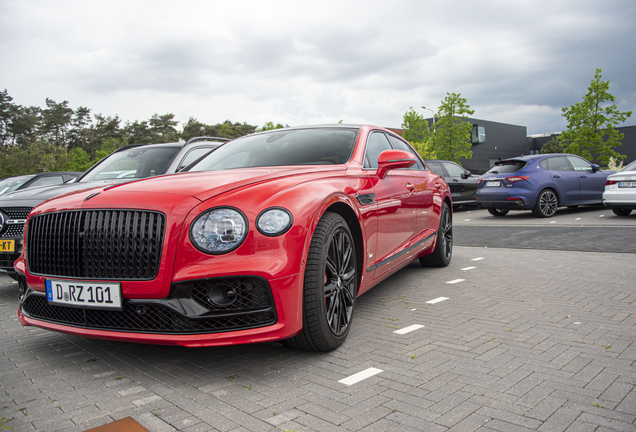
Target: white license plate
{"type": "Point", "coordinates": [92, 295]}
{"type": "Point", "coordinates": [627, 184]}
{"type": "Point", "coordinates": [493, 183]}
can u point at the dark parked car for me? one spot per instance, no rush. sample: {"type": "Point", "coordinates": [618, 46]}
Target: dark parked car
{"type": "Point", "coordinates": [541, 183]}
{"type": "Point", "coordinates": [28, 181]}
{"type": "Point", "coordinates": [462, 183]}
{"type": "Point", "coordinates": [126, 164]}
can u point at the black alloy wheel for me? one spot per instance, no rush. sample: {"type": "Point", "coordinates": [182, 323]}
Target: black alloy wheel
{"type": "Point", "coordinates": [621, 211]}
{"type": "Point", "coordinates": [498, 212]}
{"type": "Point", "coordinates": [443, 252]}
{"type": "Point", "coordinates": [331, 286]}
{"type": "Point", "coordinates": [546, 205]}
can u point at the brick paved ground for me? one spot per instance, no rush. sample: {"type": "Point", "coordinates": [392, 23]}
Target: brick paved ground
{"type": "Point", "coordinates": [529, 340]}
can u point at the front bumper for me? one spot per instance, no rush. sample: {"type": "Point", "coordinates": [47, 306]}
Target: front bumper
{"type": "Point", "coordinates": [264, 311]}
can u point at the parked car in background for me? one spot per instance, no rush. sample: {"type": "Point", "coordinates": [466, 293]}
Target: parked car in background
{"type": "Point", "coordinates": [125, 164]}
{"type": "Point", "coordinates": [462, 183]}
{"type": "Point", "coordinates": [620, 191]}
{"type": "Point", "coordinates": [272, 236]}
{"type": "Point", "coordinates": [540, 183]}
{"type": "Point", "coordinates": [28, 181]}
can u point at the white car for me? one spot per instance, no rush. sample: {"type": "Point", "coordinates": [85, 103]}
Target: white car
{"type": "Point", "coordinates": [620, 191]}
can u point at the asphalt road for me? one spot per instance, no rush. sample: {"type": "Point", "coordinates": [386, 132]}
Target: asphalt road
{"type": "Point", "coordinates": [585, 229]}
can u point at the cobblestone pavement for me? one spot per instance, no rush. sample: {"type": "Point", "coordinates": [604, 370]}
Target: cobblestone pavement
{"type": "Point", "coordinates": [512, 340]}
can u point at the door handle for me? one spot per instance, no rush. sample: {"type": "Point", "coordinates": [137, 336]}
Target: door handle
{"type": "Point", "coordinates": [583, 176]}
{"type": "Point", "coordinates": [410, 186]}
{"type": "Point", "coordinates": [556, 176]}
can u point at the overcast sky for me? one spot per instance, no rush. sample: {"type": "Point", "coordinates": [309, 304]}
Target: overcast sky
{"type": "Point", "coordinates": [298, 62]}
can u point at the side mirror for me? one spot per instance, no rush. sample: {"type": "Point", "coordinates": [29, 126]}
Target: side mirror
{"type": "Point", "coordinates": [466, 174]}
{"type": "Point", "coordinates": [595, 167]}
{"type": "Point", "coordinates": [394, 159]}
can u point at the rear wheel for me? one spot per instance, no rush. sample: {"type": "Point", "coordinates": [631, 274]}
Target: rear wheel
{"type": "Point", "coordinates": [498, 212]}
{"type": "Point", "coordinates": [546, 204]}
{"type": "Point", "coordinates": [331, 285]}
{"type": "Point", "coordinates": [443, 251]}
{"type": "Point", "coordinates": [621, 211]}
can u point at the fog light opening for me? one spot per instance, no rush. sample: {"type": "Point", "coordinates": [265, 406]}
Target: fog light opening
{"type": "Point", "coordinates": [222, 295]}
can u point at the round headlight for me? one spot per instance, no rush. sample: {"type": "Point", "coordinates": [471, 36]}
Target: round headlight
{"type": "Point", "coordinates": [219, 230]}
{"type": "Point", "coordinates": [274, 221]}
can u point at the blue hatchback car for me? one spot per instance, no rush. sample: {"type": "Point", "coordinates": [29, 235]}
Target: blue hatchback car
{"type": "Point", "coordinates": [540, 183]}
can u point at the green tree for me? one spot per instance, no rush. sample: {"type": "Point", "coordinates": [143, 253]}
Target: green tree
{"type": "Point", "coordinates": [591, 131]}
{"type": "Point", "coordinates": [270, 126]}
{"type": "Point", "coordinates": [78, 160]}
{"type": "Point", "coordinates": [418, 133]}
{"type": "Point", "coordinates": [552, 146]}
{"type": "Point", "coordinates": [56, 118]}
{"type": "Point", "coordinates": [451, 137]}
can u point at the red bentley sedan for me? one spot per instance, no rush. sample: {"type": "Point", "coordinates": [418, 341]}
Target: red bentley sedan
{"type": "Point", "coordinates": [271, 236]}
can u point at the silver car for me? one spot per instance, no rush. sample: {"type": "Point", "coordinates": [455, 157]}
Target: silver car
{"type": "Point", "coordinates": [620, 191]}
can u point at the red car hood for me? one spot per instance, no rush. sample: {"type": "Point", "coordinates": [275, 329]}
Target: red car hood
{"type": "Point", "coordinates": [201, 185]}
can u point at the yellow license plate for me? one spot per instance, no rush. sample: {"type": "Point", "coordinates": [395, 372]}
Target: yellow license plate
{"type": "Point", "coordinates": [7, 246]}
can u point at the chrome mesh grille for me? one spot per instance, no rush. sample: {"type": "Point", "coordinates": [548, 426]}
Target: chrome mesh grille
{"type": "Point", "coordinates": [96, 244]}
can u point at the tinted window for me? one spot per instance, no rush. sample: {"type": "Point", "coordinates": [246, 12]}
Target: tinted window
{"type": "Point", "coordinates": [453, 169]}
{"type": "Point", "coordinates": [193, 155]}
{"type": "Point", "coordinates": [282, 147]}
{"type": "Point", "coordinates": [376, 144]}
{"type": "Point", "coordinates": [398, 144]}
{"type": "Point", "coordinates": [579, 164]}
{"type": "Point", "coordinates": [46, 181]}
{"type": "Point", "coordinates": [12, 183]}
{"type": "Point", "coordinates": [137, 162]}
{"type": "Point", "coordinates": [436, 167]}
{"type": "Point", "coordinates": [558, 163]}
{"type": "Point", "coordinates": [505, 167]}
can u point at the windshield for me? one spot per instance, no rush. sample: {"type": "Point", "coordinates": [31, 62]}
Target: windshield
{"type": "Point", "coordinates": [505, 167]}
{"type": "Point", "coordinates": [282, 147]}
{"type": "Point", "coordinates": [135, 163]}
{"type": "Point", "coordinates": [630, 167]}
{"type": "Point", "coordinates": [12, 183]}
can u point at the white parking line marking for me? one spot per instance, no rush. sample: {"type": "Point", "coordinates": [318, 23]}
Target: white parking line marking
{"type": "Point", "coordinates": [355, 378]}
{"type": "Point", "coordinates": [477, 259]}
{"type": "Point", "coordinates": [409, 329]}
{"type": "Point", "coordinates": [456, 281]}
{"type": "Point", "coordinates": [553, 222]}
{"type": "Point", "coordinates": [413, 310]}
{"type": "Point", "coordinates": [468, 268]}
{"type": "Point", "coordinates": [601, 215]}
{"type": "Point", "coordinates": [437, 300]}
{"type": "Point", "coordinates": [577, 219]}
{"type": "Point", "coordinates": [466, 220]}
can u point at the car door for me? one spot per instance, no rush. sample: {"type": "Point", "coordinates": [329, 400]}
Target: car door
{"type": "Point", "coordinates": [465, 184]}
{"type": "Point", "coordinates": [564, 179]}
{"type": "Point", "coordinates": [591, 183]}
{"type": "Point", "coordinates": [396, 207]}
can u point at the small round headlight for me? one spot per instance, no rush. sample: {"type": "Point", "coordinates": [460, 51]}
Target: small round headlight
{"type": "Point", "coordinates": [274, 221]}
{"type": "Point", "coordinates": [219, 230]}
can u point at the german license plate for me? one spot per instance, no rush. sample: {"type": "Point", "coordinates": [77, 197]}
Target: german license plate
{"type": "Point", "coordinates": [625, 184]}
{"type": "Point", "coordinates": [92, 295]}
{"type": "Point", "coordinates": [7, 245]}
{"type": "Point", "coordinates": [493, 183]}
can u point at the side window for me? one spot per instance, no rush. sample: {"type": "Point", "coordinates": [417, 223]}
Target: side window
{"type": "Point", "coordinates": [436, 167]}
{"type": "Point", "coordinates": [193, 155]}
{"type": "Point", "coordinates": [544, 164]}
{"type": "Point", "coordinates": [398, 144]}
{"type": "Point", "coordinates": [376, 144]}
{"type": "Point", "coordinates": [453, 170]}
{"type": "Point", "coordinates": [46, 181]}
{"type": "Point", "coordinates": [579, 164]}
{"type": "Point", "coordinates": [559, 163]}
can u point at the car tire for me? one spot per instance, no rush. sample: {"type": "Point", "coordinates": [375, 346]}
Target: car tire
{"type": "Point", "coordinates": [443, 252]}
{"type": "Point", "coordinates": [498, 212]}
{"type": "Point", "coordinates": [546, 205]}
{"type": "Point", "coordinates": [330, 288]}
{"type": "Point", "coordinates": [621, 211]}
